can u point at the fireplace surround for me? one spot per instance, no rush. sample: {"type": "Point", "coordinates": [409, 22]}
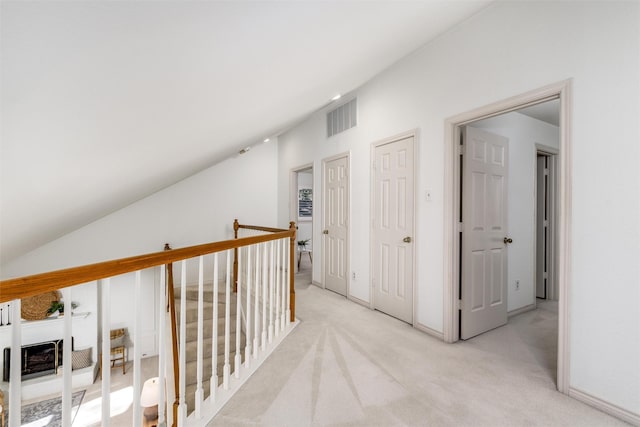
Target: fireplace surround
{"type": "Point", "coordinates": [37, 360]}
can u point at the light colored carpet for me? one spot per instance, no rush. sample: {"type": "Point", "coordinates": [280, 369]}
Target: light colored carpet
{"type": "Point", "coordinates": [347, 365]}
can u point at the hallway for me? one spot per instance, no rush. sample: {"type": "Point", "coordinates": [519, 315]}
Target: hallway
{"type": "Point", "coordinates": [348, 365]}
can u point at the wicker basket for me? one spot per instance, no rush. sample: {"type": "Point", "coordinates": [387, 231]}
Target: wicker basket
{"type": "Point", "coordinates": [36, 307]}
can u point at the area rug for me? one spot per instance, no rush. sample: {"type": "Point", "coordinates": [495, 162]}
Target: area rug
{"type": "Point", "coordinates": [48, 412]}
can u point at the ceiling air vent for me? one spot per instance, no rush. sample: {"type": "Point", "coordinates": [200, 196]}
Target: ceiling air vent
{"type": "Point", "coordinates": [342, 118]}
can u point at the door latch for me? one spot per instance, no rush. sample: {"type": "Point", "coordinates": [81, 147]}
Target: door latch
{"type": "Point", "coordinates": [507, 240]}
{"type": "Point", "coordinates": [325, 232]}
{"type": "Point", "coordinates": [407, 239]}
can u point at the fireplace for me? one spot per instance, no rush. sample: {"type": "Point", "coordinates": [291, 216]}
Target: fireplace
{"type": "Point", "coordinates": [36, 359]}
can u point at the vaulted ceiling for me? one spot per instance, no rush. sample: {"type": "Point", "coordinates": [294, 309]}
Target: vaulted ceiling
{"type": "Point", "coordinates": [106, 102]}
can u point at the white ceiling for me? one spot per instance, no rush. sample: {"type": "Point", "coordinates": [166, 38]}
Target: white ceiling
{"type": "Point", "coordinates": [104, 103]}
{"type": "Point", "coordinates": [548, 112]}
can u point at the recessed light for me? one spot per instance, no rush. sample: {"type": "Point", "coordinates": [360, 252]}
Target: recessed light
{"type": "Point", "coordinates": [266, 140]}
{"type": "Point", "coordinates": [335, 98]}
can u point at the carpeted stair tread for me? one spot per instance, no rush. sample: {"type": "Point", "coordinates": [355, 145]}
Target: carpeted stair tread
{"type": "Point", "coordinates": [207, 328]}
{"type": "Point", "coordinates": [192, 292]}
{"type": "Point", "coordinates": [192, 348]}
{"type": "Point", "coordinates": [191, 337]}
{"type": "Point", "coordinates": [192, 310]}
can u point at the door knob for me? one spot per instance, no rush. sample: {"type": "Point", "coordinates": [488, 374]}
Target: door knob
{"type": "Point", "coordinates": [507, 240]}
{"type": "Point", "coordinates": [325, 232]}
{"type": "Point", "coordinates": [407, 239]}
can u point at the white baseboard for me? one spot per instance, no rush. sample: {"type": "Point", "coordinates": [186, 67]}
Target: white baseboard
{"type": "Point", "coordinates": [521, 310]}
{"type": "Point", "coordinates": [359, 301]}
{"type": "Point", "coordinates": [318, 284]}
{"type": "Point", "coordinates": [427, 330]}
{"type": "Point", "coordinates": [609, 408]}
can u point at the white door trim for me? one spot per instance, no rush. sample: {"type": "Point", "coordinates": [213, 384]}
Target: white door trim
{"type": "Point", "coordinates": [293, 190]}
{"type": "Point", "coordinates": [346, 154]}
{"type": "Point", "coordinates": [562, 91]}
{"type": "Point", "coordinates": [293, 202]}
{"type": "Point", "coordinates": [412, 133]}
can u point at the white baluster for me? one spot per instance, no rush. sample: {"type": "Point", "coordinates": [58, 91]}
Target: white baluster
{"type": "Point", "coordinates": [277, 287]}
{"type": "Point", "coordinates": [137, 354]}
{"type": "Point", "coordinates": [213, 383]}
{"type": "Point", "coordinates": [238, 358]}
{"type": "Point", "coordinates": [105, 287]}
{"type": "Point", "coordinates": [66, 360]}
{"type": "Point", "coordinates": [162, 328]}
{"type": "Point", "coordinates": [182, 405]}
{"type": "Point", "coordinates": [199, 395]}
{"type": "Point", "coordinates": [247, 351]}
{"type": "Point", "coordinates": [257, 305]}
{"type": "Point", "coordinates": [264, 297]}
{"type": "Point", "coordinates": [226, 370]}
{"type": "Point", "coordinates": [271, 290]}
{"type": "Point", "coordinates": [289, 284]}
{"type": "Point", "coordinates": [15, 383]}
{"type": "Point", "coordinates": [283, 284]}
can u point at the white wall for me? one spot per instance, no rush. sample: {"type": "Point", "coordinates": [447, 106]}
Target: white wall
{"type": "Point", "coordinates": [199, 209]}
{"type": "Point", "coordinates": [523, 133]}
{"type": "Point", "coordinates": [508, 49]}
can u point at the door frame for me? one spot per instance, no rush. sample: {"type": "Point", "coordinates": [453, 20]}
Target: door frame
{"type": "Point", "coordinates": [562, 91]}
{"type": "Point", "coordinates": [552, 283]}
{"type": "Point", "coordinates": [346, 154]}
{"type": "Point", "coordinates": [293, 200]}
{"type": "Point", "coordinates": [412, 133]}
{"type": "Point", "coordinates": [293, 190]}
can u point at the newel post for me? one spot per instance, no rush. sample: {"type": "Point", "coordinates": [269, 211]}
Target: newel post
{"type": "Point", "coordinates": [171, 308]}
{"type": "Point", "coordinates": [292, 291]}
{"type": "Point", "coordinates": [236, 227]}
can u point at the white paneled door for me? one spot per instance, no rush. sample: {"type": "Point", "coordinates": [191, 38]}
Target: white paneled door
{"type": "Point", "coordinates": [484, 232]}
{"type": "Point", "coordinates": [392, 234]}
{"type": "Point", "coordinates": [336, 224]}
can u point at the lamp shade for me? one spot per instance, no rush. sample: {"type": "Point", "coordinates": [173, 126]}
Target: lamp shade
{"type": "Point", "coordinates": [150, 393]}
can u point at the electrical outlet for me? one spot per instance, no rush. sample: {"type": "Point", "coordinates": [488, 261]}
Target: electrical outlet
{"type": "Point", "coordinates": [517, 285]}
{"type": "Point", "coordinates": [353, 275]}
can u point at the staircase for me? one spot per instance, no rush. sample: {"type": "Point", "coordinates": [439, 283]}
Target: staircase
{"type": "Point", "coordinates": [191, 295]}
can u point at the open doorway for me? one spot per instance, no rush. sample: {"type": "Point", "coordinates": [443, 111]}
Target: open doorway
{"type": "Point", "coordinates": [546, 242]}
{"type": "Point", "coordinates": [301, 203]}
{"type": "Point", "coordinates": [491, 252]}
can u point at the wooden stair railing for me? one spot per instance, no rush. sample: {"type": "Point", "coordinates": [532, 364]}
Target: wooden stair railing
{"type": "Point", "coordinates": [171, 309]}
{"type": "Point", "coordinates": [27, 286]}
{"type": "Point", "coordinates": [292, 238]}
{"type": "Point", "coordinates": [23, 287]}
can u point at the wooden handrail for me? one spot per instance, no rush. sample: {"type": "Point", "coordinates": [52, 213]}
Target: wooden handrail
{"type": "Point", "coordinates": [260, 228]}
{"type": "Point", "coordinates": [22, 287]}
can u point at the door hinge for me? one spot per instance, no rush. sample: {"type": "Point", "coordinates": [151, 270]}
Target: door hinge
{"type": "Point", "coordinates": [460, 227]}
{"type": "Point", "coordinates": [546, 171]}
{"type": "Point", "coordinates": [373, 165]}
{"type": "Point", "coordinates": [461, 150]}
{"type": "Point", "coordinates": [459, 304]}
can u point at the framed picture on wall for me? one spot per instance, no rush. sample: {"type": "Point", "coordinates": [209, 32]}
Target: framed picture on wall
{"type": "Point", "coordinates": [305, 204]}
